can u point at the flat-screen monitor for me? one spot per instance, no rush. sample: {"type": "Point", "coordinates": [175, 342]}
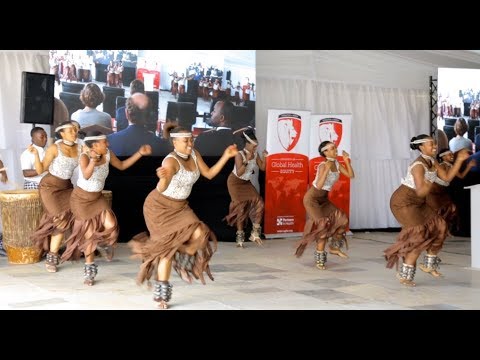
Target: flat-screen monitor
{"type": "Point", "coordinates": [201, 77]}
{"type": "Point", "coordinates": [458, 97]}
{"type": "Point", "coordinates": [37, 102]}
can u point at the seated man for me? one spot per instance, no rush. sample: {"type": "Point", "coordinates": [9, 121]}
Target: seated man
{"type": "Point", "coordinates": [136, 86]}
{"type": "Point", "coordinates": [126, 142]}
{"type": "Point", "coordinates": [31, 178]}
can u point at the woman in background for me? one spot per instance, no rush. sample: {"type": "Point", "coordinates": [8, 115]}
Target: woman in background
{"type": "Point", "coordinates": [246, 202]}
{"type": "Point", "coordinates": [438, 198]}
{"type": "Point", "coordinates": [325, 220]}
{"type": "Point", "coordinates": [95, 223]}
{"type": "Point", "coordinates": [422, 227]}
{"type": "Point", "coordinates": [55, 188]}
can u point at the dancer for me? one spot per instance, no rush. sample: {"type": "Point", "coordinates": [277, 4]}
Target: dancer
{"type": "Point", "coordinates": [55, 188]}
{"type": "Point", "coordinates": [95, 223]}
{"type": "Point", "coordinates": [422, 227]}
{"type": "Point", "coordinates": [438, 198]}
{"type": "Point", "coordinates": [325, 220]}
{"type": "Point", "coordinates": [177, 236]}
{"type": "Point", "coordinates": [246, 202]}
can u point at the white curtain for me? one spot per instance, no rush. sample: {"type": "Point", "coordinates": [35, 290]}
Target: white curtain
{"type": "Point", "coordinates": [14, 136]}
{"type": "Point", "coordinates": [383, 122]}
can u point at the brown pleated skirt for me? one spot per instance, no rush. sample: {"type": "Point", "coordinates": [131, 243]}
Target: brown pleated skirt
{"type": "Point", "coordinates": [245, 201]}
{"type": "Point", "coordinates": [57, 216]}
{"type": "Point", "coordinates": [422, 227]}
{"type": "Point", "coordinates": [324, 218]}
{"type": "Point", "coordinates": [171, 224]}
{"type": "Point", "coordinates": [89, 211]}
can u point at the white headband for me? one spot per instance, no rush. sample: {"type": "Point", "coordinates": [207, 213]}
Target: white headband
{"type": "Point", "coordinates": [248, 139]}
{"type": "Point", "coordinates": [97, 137]}
{"type": "Point", "coordinates": [181, 134]}
{"type": "Point", "coordinates": [445, 153]}
{"type": "Point", "coordinates": [421, 141]}
{"type": "Point", "coordinates": [326, 147]}
{"type": "Point", "coordinates": [63, 127]}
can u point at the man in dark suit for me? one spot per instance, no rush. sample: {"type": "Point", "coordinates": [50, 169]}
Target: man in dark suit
{"type": "Point", "coordinates": [211, 144]}
{"type": "Point", "coordinates": [136, 86]}
{"type": "Point", "coordinates": [214, 142]}
{"type": "Point", "coordinates": [126, 142]}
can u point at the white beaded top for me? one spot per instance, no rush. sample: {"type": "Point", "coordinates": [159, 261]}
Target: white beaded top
{"type": "Point", "coordinates": [441, 181]}
{"type": "Point", "coordinates": [331, 179]}
{"type": "Point", "coordinates": [96, 182]}
{"type": "Point", "coordinates": [181, 184]}
{"type": "Point", "coordinates": [430, 175]}
{"type": "Point", "coordinates": [62, 166]}
{"type": "Point", "coordinates": [247, 175]}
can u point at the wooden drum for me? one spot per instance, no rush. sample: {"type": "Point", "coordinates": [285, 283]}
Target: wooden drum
{"type": "Point", "coordinates": [21, 212]}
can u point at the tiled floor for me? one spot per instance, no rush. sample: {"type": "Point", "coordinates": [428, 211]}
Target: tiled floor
{"type": "Point", "coordinates": [255, 278]}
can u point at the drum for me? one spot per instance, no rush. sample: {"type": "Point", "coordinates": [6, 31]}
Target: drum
{"type": "Point", "coordinates": [107, 194]}
{"type": "Point", "coordinates": [21, 212]}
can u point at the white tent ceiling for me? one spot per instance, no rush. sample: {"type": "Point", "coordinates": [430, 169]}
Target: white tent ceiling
{"type": "Point", "coordinates": [386, 68]}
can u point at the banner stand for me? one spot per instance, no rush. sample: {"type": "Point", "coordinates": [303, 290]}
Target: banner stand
{"type": "Point", "coordinates": [286, 177]}
{"type": "Point", "coordinates": [283, 236]}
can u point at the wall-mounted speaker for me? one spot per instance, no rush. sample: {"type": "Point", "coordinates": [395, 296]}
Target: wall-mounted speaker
{"type": "Point", "coordinates": [37, 98]}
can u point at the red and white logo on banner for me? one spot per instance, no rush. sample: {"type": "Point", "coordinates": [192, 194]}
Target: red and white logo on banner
{"type": "Point", "coordinates": [289, 127]}
{"type": "Point", "coordinates": [330, 129]}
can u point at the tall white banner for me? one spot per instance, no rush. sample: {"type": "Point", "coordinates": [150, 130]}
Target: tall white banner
{"type": "Point", "coordinates": [286, 171]}
{"type": "Point", "coordinates": [337, 129]}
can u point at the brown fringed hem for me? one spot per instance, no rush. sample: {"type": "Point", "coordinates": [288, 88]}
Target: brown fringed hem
{"type": "Point", "coordinates": [143, 247]}
{"type": "Point", "coordinates": [57, 217]}
{"type": "Point", "coordinates": [321, 228]}
{"type": "Point", "coordinates": [449, 213]}
{"type": "Point", "coordinates": [239, 212]}
{"type": "Point", "coordinates": [171, 224]}
{"type": "Point", "coordinates": [88, 234]}
{"type": "Point", "coordinates": [245, 203]}
{"type": "Point", "coordinates": [430, 235]}
{"type": "Point", "coordinates": [51, 225]}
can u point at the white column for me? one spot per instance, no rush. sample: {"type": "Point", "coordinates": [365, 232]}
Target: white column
{"type": "Point", "coordinates": [475, 224]}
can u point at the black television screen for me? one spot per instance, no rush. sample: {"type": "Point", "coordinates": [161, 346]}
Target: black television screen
{"type": "Point", "coordinates": [37, 103]}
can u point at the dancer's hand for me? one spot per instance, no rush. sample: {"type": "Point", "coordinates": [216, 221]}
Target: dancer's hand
{"type": "Point", "coordinates": [145, 150]}
{"type": "Point", "coordinates": [231, 151]}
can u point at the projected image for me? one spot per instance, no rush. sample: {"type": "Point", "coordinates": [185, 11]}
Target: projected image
{"type": "Point", "coordinates": [183, 87]}
{"type": "Point", "coordinates": [459, 102]}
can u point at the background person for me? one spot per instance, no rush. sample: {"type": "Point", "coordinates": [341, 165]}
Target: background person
{"type": "Point", "coordinates": [31, 179]}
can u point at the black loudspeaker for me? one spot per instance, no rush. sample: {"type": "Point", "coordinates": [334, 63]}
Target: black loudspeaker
{"type": "Point", "coordinates": [229, 75]}
{"type": "Point", "coordinates": [37, 98]}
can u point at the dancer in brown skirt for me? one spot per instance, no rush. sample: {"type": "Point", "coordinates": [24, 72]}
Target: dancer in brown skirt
{"type": "Point", "coordinates": [246, 201]}
{"type": "Point", "coordinates": [325, 220]}
{"type": "Point", "coordinates": [422, 227]}
{"type": "Point", "coordinates": [95, 223]}
{"type": "Point", "coordinates": [176, 235]}
{"type": "Point", "coordinates": [438, 198]}
{"type": "Point", "coordinates": [55, 189]}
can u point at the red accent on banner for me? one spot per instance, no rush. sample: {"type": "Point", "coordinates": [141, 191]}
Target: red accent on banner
{"type": "Point", "coordinates": [156, 79]}
{"type": "Point", "coordinates": [285, 184]}
{"type": "Point", "coordinates": [288, 130]}
{"type": "Point", "coordinates": [340, 193]}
